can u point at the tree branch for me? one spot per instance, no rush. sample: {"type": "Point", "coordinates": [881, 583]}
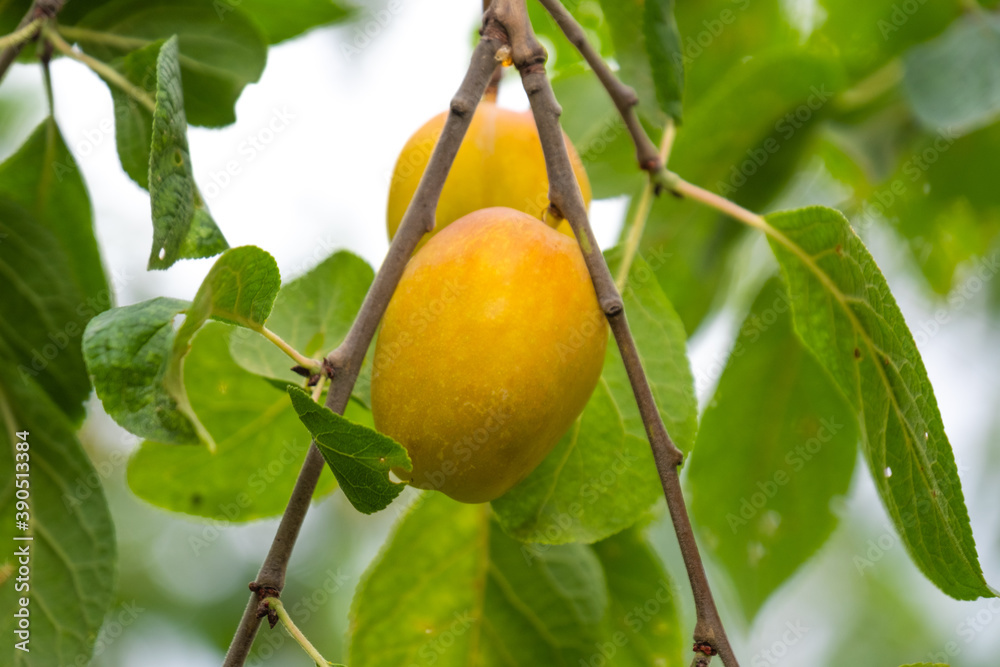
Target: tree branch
{"type": "Point", "coordinates": [564, 193]}
{"type": "Point", "coordinates": [345, 362]}
{"type": "Point", "coordinates": [622, 95]}
{"type": "Point", "coordinates": [40, 9]}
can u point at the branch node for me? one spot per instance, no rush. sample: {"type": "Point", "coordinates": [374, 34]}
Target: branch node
{"type": "Point", "coordinates": [461, 107]}
{"type": "Point", "coordinates": [628, 95]}
{"type": "Point", "coordinates": [704, 648]}
{"type": "Point", "coordinates": [612, 305]}
{"type": "Point", "coordinates": [267, 610]}
{"type": "Point", "coordinates": [651, 165]}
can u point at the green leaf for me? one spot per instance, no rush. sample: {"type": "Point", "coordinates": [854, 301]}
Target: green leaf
{"type": "Point", "coordinates": [868, 33]}
{"type": "Point", "coordinates": [788, 442]}
{"type": "Point", "coordinates": [260, 444]}
{"type": "Point", "coordinates": [136, 358]}
{"type": "Point", "coordinates": [182, 226]}
{"type": "Point", "coordinates": [953, 81]}
{"type": "Point", "coordinates": [925, 664]}
{"type": "Point", "coordinates": [129, 351]}
{"type": "Point", "coordinates": [221, 50]}
{"type": "Point", "coordinates": [722, 36]}
{"type": "Point", "coordinates": [239, 289]}
{"type": "Point", "coordinates": [284, 20]}
{"type": "Point", "coordinates": [942, 199]}
{"type": "Point", "coordinates": [627, 22]}
{"type": "Point", "coordinates": [133, 121]}
{"type": "Point", "coordinates": [601, 478]}
{"type": "Point", "coordinates": [666, 61]}
{"type": "Point", "coordinates": [642, 620]}
{"type": "Point", "coordinates": [847, 317]}
{"type": "Point", "coordinates": [485, 599]}
{"type": "Point", "coordinates": [743, 140]}
{"type": "Point", "coordinates": [73, 553]}
{"type": "Point", "coordinates": [778, 96]}
{"type": "Point", "coordinates": [360, 457]}
{"type": "Point", "coordinates": [51, 267]}
{"type": "Point", "coordinates": [311, 313]}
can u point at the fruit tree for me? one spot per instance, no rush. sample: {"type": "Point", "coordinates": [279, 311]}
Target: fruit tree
{"type": "Point", "coordinates": [645, 287]}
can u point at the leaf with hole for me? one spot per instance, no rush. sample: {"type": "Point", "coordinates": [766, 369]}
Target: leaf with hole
{"type": "Point", "coordinates": [182, 225]}
{"type": "Point", "coordinates": [847, 317]}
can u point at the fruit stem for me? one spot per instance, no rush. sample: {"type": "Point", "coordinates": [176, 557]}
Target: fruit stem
{"type": "Point", "coordinates": [638, 225]}
{"type": "Point", "coordinates": [347, 359]}
{"type": "Point", "coordinates": [293, 630]}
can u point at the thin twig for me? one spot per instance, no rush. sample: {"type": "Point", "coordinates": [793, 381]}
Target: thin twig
{"type": "Point", "coordinates": [564, 193]}
{"type": "Point", "coordinates": [638, 225]}
{"type": "Point", "coordinates": [40, 9]}
{"type": "Point", "coordinates": [293, 630]}
{"type": "Point", "coordinates": [622, 95]}
{"type": "Point", "coordinates": [346, 360]}
{"type": "Point", "coordinates": [102, 69]}
{"type": "Point", "coordinates": [494, 85]}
